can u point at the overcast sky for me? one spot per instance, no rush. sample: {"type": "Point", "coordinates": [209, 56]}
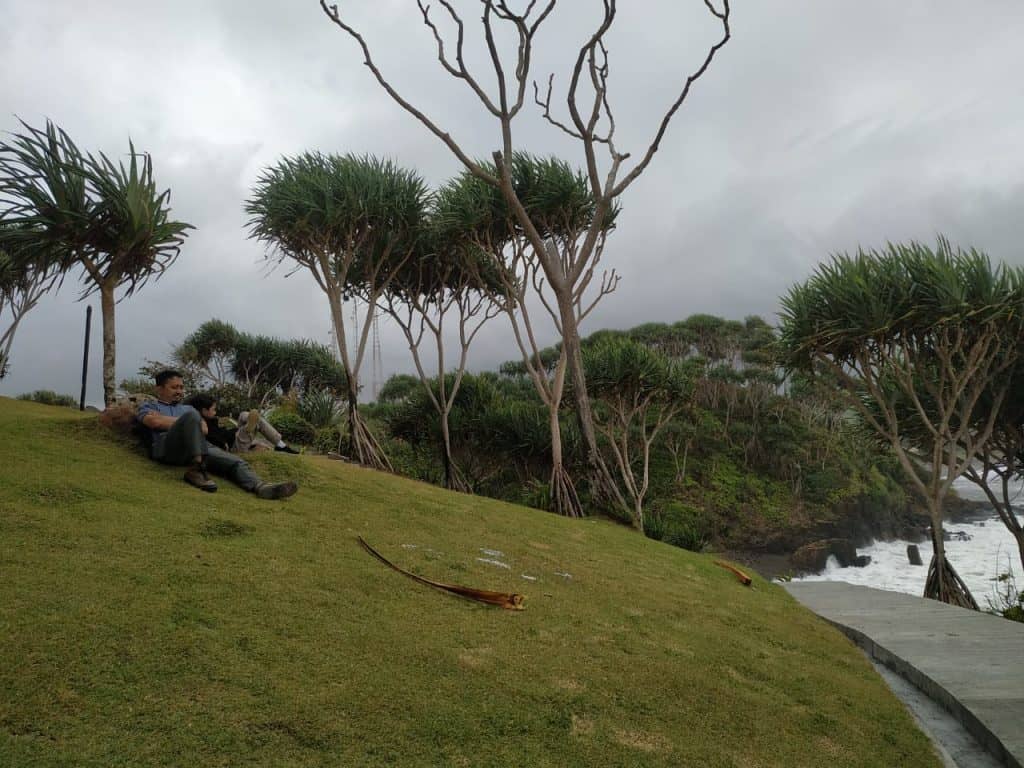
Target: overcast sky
{"type": "Point", "coordinates": [821, 126]}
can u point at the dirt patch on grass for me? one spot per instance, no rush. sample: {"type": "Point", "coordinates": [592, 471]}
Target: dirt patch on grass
{"type": "Point", "coordinates": [475, 658]}
{"type": "Point", "coordinates": [582, 726]}
{"type": "Point", "coordinates": [569, 684]}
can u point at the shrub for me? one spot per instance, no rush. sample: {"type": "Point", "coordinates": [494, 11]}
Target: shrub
{"type": "Point", "coordinates": [327, 439]}
{"type": "Point", "coordinates": [320, 407]}
{"type": "Point", "coordinates": [416, 461]}
{"type": "Point", "coordinates": [1006, 600]}
{"type": "Point", "coordinates": [680, 525]}
{"type": "Point", "coordinates": [293, 428]}
{"type": "Point", "coordinates": [137, 385]}
{"type": "Point", "coordinates": [49, 397]}
{"type": "Point", "coordinates": [232, 400]}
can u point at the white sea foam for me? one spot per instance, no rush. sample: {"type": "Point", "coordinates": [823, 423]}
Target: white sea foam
{"type": "Point", "coordinates": [989, 551]}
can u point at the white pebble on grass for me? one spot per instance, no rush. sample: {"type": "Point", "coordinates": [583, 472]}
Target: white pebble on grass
{"type": "Point", "coordinates": [490, 561]}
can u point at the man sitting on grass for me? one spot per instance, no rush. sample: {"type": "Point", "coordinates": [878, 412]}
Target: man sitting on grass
{"type": "Point", "coordinates": [177, 436]}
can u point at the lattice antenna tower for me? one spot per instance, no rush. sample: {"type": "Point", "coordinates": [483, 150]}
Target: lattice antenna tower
{"type": "Point", "coordinates": [378, 363]}
{"type": "Point", "coordinates": [355, 323]}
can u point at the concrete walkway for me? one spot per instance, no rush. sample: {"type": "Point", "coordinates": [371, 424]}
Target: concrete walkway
{"type": "Point", "coordinates": [969, 662]}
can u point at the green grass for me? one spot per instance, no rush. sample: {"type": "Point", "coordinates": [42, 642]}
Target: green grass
{"type": "Point", "coordinates": [143, 622]}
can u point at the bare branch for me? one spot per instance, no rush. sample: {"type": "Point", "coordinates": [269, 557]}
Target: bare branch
{"type": "Point", "coordinates": [475, 168]}
{"type": "Point", "coordinates": [460, 71]}
{"type": "Point", "coordinates": [632, 176]}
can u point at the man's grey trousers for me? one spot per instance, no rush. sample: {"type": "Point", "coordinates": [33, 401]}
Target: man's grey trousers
{"type": "Point", "coordinates": [180, 444]}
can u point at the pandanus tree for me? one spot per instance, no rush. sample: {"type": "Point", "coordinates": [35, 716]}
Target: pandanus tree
{"type": "Point", "coordinates": [85, 211]}
{"type": "Point", "coordinates": [590, 122]}
{"type": "Point", "coordinates": [999, 461]}
{"type": "Point", "coordinates": [353, 223]}
{"type": "Point", "coordinates": [562, 209]}
{"type": "Point", "coordinates": [211, 350]}
{"type": "Point", "coordinates": [23, 281]}
{"type": "Point", "coordinates": [448, 286]}
{"type": "Point", "coordinates": [916, 338]}
{"type": "Point", "coordinates": [637, 392]}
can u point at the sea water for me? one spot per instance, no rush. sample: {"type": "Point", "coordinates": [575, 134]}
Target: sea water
{"type": "Point", "coordinates": [980, 550]}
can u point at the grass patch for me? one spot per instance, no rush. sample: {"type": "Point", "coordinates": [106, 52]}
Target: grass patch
{"type": "Point", "coordinates": [162, 626]}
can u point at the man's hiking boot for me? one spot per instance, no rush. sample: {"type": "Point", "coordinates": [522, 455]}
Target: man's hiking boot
{"type": "Point", "coordinates": [276, 490]}
{"type": "Point", "coordinates": [286, 449]}
{"type": "Point", "coordinates": [197, 476]}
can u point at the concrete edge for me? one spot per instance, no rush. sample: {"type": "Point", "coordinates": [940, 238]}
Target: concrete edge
{"type": "Point", "coordinates": [934, 691]}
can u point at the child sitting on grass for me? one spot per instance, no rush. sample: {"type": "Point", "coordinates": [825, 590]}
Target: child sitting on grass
{"type": "Point", "coordinates": [253, 433]}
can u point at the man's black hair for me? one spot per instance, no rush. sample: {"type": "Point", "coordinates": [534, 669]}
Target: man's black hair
{"type": "Point", "coordinates": [164, 376]}
{"type": "Point", "coordinates": [201, 401]}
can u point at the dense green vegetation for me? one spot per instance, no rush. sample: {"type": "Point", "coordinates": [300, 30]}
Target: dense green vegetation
{"type": "Point", "coordinates": [748, 460]}
{"type": "Point", "coordinates": [146, 623]}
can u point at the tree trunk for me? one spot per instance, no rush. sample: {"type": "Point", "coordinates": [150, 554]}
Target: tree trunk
{"type": "Point", "coordinates": [602, 484]}
{"type": "Point", "coordinates": [681, 473]}
{"type": "Point", "coordinates": [563, 497]}
{"type": "Point", "coordinates": [109, 342]}
{"type": "Point", "coordinates": [943, 582]}
{"type": "Point", "coordinates": [453, 478]}
{"type": "Point", "coordinates": [1004, 507]}
{"type": "Point", "coordinates": [7, 340]}
{"type": "Point", "coordinates": [363, 446]}
{"type": "Point", "coordinates": [638, 513]}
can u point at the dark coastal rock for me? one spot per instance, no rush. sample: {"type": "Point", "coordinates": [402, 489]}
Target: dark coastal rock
{"type": "Point", "coordinates": [861, 561]}
{"type": "Point", "coordinates": [959, 510]}
{"type": "Point", "coordinates": [859, 520]}
{"type": "Point", "coordinates": [813, 557]}
{"type": "Point", "coordinates": [914, 555]}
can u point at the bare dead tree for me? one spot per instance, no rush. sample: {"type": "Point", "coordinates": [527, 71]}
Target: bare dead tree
{"type": "Point", "coordinates": [591, 121]}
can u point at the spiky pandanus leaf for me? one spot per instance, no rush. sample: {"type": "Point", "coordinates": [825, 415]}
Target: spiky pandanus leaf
{"type": "Point", "coordinates": [350, 207]}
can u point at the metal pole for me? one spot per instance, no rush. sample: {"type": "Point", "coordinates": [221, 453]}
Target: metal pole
{"type": "Point", "coordinates": [85, 356]}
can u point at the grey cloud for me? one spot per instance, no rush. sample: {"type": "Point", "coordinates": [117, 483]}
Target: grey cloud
{"type": "Point", "coordinates": [821, 126]}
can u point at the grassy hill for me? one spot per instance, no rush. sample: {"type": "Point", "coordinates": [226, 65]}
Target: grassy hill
{"type": "Point", "coordinates": [143, 622]}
